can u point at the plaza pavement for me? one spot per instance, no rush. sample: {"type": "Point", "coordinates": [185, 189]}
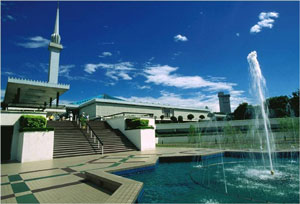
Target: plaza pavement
{"type": "Point", "coordinates": [63, 180]}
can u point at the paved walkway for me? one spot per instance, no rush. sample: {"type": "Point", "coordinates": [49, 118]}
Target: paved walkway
{"type": "Point", "coordinates": [62, 180]}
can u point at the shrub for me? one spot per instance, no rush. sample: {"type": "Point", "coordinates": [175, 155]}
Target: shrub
{"type": "Point", "coordinates": [162, 117]}
{"type": "Point", "coordinates": [190, 116]}
{"type": "Point", "coordinates": [180, 119]}
{"type": "Point", "coordinates": [32, 121]}
{"type": "Point", "coordinates": [136, 123]}
{"type": "Point", "coordinates": [201, 117]}
{"type": "Point", "coordinates": [83, 121]}
{"type": "Point", "coordinates": [174, 119]}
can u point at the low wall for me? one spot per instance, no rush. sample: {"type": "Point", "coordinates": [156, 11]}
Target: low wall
{"type": "Point", "coordinates": [278, 136]}
{"type": "Point", "coordinates": [169, 126]}
{"type": "Point", "coordinates": [35, 146]}
{"type": "Point", "coordinates": [143, 139]}
{"type": "Point", "coordinates": [11, 118]}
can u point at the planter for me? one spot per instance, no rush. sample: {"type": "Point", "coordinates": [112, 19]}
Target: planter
{"type": "Point", "coordinates": [35, 146]}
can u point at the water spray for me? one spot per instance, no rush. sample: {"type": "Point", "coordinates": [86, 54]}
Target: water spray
{"type": "Point", "coordinates": [259, 84]}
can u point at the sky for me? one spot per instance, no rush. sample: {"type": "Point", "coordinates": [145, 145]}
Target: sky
{"type": "Point", "coordinates": [176, 53]}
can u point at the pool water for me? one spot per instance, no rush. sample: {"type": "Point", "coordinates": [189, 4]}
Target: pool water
{"type": "Point", "coordinates": [221, 180]}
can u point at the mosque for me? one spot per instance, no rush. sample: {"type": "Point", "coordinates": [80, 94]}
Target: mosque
{"type": "Point", "coordinates": [31, 95]}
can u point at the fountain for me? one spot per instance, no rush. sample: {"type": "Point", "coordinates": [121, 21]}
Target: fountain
{"type": "Point", "coordinates": [244, 173]}
{"type": "Point", "coordinates": [258, 86]}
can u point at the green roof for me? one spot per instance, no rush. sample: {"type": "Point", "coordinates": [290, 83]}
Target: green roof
{"type": "Point", "coordinates": [102, 96]}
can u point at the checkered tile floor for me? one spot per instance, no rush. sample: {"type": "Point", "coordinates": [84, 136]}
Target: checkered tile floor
{"type": "Point", "coordinates": [62, 180]}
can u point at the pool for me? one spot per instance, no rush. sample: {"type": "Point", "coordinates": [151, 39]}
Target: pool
{"type": "Point", "coordinates": [221, 180]}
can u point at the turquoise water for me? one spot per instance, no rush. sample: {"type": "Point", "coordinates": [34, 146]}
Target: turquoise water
{"type": "Point", "coordinates": [245, 180]}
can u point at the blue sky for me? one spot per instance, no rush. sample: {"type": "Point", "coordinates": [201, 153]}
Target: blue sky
{"type": "Point", "coordinates": [178, 53]}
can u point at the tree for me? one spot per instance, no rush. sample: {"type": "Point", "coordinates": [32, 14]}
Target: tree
{"type": "Point", "coordinates": [190, 116]}
{"type": "Point", "coordinates": [174, 119]}
{"type": "Point", "coordinates": [294, 103]}
{"type": "Point", "coordinates": [278, 106]}
{"type": "Point", "coordinates": [201, 117]}
{"type": "Point", "coordinates": [162, 117]}
{"type": "Point", "coordinates": [180, 119]}
{"type": "Point", "coordinates": [211, 115]}
{"type": "Point", "coordinates": [244, 111]}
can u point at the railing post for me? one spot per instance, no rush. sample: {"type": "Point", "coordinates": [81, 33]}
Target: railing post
{"type": "Point", "coordinates": [102, 149]}
{"type": "Point", "coordinates": [87, 129]}
{"type": "Point", "coordinates": [98, 144]}
{"type": "Point", "coordinates": [95, 139]}
{"type": "Point", "coordinates": [79, 125]}
{"type": "Point", "coordinates": [91, 134]}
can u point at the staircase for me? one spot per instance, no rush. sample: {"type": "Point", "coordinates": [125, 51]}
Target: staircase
{"type": "Point", "coordinates": [113, 140]}
{"type": "Point", "coordinates": [70, 141]}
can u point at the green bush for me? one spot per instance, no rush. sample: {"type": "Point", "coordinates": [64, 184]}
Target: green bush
{"type": "Point", "coordinates": [32, 121]}
{"type": "Point", "coordinates": [83, 121]}
{"type": "Point", "coordinates": [174, 119]}
{"type": "Point", "coordinates": [180, 119]}
{"type": "Point", "coordinates": [136, 123]}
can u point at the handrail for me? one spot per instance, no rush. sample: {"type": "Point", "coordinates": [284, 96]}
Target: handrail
{"type": "Point", "coordinates": [93, 134]}
{"type": "Point", "coordinates": [124, 113]}
{"type": "Point", "coordinates": [88, 125]}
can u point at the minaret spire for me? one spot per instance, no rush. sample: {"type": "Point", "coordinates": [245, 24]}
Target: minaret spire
{"type": "Point", "coordinates": [55, 37]}
{"type": "Point", "coordinates": [54, 47]}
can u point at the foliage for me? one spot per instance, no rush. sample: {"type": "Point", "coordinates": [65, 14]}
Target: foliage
{"type": "Point", "coordinates": [190, 116]}
{"type": "Point", "coordinates": [202, 117]}
{"type": "Point", "coordinates": [294, 102]}
{"type": "Point", "coordinates": [30, 129]}
{"type": "Point", "coordinates": [83, 121]}
{"type": "Point", "coordinates": [278, 106]}
{"type": "Point", "coordinates": [244, 111]}
{"type": "Point", "coordinates": [162, 117]}
{"type": "Point", "coordinates": [136, 123]}
{"type": "Point", "coordinates": [194, 135]}
{"type": "Point", "coordinates": [180, 119]}
{"type": "Point", "coordinates": [211, 115]}
{"type": "Point", "coordinates": [174, 119]}
{"type": "Point", "coordinates": [289, 125]}
{"type": "Point", "coordinates": [32, 121]}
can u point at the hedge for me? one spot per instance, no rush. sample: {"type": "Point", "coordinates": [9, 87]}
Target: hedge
{"type": "Point", "coordinates": [136, 123]}
{"type": "Point", "coordinates": [29, 129]}
{"type": "Point", "coordinates": [32, 121]}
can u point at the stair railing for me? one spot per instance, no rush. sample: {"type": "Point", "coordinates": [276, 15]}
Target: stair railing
{"type": "Point", "coordinates": [92, 133]}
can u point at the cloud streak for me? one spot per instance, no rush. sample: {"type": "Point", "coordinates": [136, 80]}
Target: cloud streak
{"type": "Point", "coordinates": [180, 38]}
{"type": "Point", "coordinates": [164, 75]}
{"type": "Point", "coordinates": [105, 54]}
{"type": "Point", "coordinates": [113, 71]}
{"type": "Point", "coordinates": [35, 42]}
{"type": "Point", "coordinates": [266, 21]}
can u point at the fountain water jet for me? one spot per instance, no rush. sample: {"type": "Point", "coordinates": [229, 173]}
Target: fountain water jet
{"type": "Point", "coordinates": [258, 85]}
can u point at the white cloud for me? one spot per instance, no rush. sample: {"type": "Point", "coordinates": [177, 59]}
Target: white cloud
{"type": "Point", "coordinates": [163, 75]}
{"type": "Point", "coordinates": [114, 71]}
{"type": "Point", "coordinates": [198, 100]}
{"type": "Point", "coordinates": [105, 54]}
{"type": "Point", "coordinates": [180, 38]}
{"type": "Point", "coordinates": [35, 42]}
{"type": "Point", "coordinates": [143, 87]}
{"type": "Point", "coordinates": [266, 21]}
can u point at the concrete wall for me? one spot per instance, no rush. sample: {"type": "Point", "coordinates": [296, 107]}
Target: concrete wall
{"type": "Point", "coordinates": [89, 109]}
{"type": "Point", "coordinates": [164, 126]}
{"type": "Point", "coordinates": [185, 113]}
{"type": "Point", "coordinates": [35, 146]}
{"type": "Point", "coordinates": [239, 138]}
{"type": "Point", "coordinates": [104, 109]}
{"type": "Point", "coordinates": [11, 118]}
{"type": "Point", "coordinates": [143, 139]}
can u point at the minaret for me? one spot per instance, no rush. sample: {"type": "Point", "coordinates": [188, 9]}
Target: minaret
{"type": "Point", "coordinates": [54, 47]}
